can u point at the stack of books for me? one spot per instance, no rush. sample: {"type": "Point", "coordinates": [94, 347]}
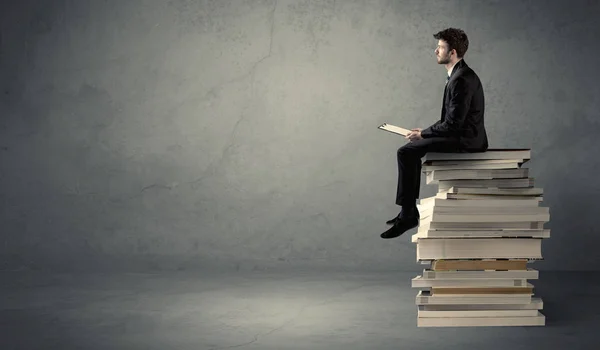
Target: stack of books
{"type": "Point", "coordinates": [477, 234]}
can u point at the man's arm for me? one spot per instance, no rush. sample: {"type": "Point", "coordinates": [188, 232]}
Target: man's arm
{"type": "Point", "coordinates": [460, 99]}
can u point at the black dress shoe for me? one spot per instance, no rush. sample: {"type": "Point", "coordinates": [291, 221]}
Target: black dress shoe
{"type": "Point", "coordinates": [401, 225]}
{"type": "Point", "coordinates": [394, 220]}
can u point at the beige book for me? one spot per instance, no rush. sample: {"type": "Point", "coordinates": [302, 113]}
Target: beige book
{"type": "Point", "coordinates": [480, 265]}
{"type": "Point", "coordinates": [481, 290]}
{"type": "Point", "coordinates": [394, 129]}
{"type": "Point", "coordinates": [468, 275]}
{"type": "Point", "coordinates": [536, 303]}
{"type": "Point", "coordinates": [426, 298]}
{"type": "Point", "coordinates": [421, 312]}
{"type": "Point", "coordinates": [515, 321]}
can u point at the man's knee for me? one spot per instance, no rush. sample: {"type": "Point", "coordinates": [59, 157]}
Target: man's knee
{"type": "Point", "coordinates": [406, 151]}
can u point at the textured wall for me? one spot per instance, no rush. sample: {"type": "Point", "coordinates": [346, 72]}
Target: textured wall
{"type": "Point", "coordinates": [178, 134]}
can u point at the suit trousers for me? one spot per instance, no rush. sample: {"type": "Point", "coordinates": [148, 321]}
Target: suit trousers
{"type": "Point", "coordinates": [409, 165]}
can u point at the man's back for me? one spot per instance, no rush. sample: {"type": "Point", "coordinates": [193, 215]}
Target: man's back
{"type": "Point", "coordinates": [472, 134]}
{"type": "Point", "coordinates": [463, 111]}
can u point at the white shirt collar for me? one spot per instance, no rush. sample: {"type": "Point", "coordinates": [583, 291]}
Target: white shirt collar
{"type": "Point", "coordinates": [451, 68]}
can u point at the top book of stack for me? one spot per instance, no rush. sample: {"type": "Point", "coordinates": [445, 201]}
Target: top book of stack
{"type": "Point", "coordinates": [491, 154]}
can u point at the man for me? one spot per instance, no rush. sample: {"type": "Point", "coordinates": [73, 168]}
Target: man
{"type": "Point", "coordinates": [460, 129]}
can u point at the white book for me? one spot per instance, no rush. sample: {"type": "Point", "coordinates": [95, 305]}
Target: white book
{"type": "Point", "coordinates": [424, 212]}
{"type": "Point", "coordinates": [508, 233]}
{"type": "Point", "coordinates": [463, 162]}
{"type": "Point", "coordinates": [518, 321]}
{"type": "Point", "coordinates": [529, 191]}
{"type": "Point", "coordinates": [502, 165]}
{"type": "Point", "coordinates": [515, 153]}
{"type": "Point", "coordinates": [484, 218]}
{"type": "Point", "coordinates": [426, 224]}
{"type": "Point", "coordinates": [479, 248]}
{"type": "Point", "coordinates": [475, 213]}
{"type": "Point", "coordinates": [481, 174]}
{"type": "Point", "coordinates": [445, 185]}
{"type": "Point", "coordinates": [476, 274]}
{"type": "Point", "coordinates": [467, 196]}
{"type": "Point", "coordinates": [422, 282]}
{"type": "Point", "coordinates": [425, 298]}
{"type": "Point", "coordinates": [429, 262]}
{"type": "Point", "coordinates": [489, 202]}
{"type": "Point", "coordinates": [489, 210]}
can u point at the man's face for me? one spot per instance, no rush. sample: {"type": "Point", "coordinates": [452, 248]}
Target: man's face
{"type": "Point", "coordinates": [441, 52]}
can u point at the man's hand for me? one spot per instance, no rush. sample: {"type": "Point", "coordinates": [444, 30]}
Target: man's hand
{"type": "Point", "coordinates": [414, 135]}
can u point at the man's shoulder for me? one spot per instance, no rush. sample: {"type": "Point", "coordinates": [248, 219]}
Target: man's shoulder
{"type": "Point", "coordinates": [466, 70]}
{"type": "Point", "coordinates": [467, 74]}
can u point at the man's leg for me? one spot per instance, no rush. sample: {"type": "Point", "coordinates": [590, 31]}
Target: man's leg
{"type": "Point", "coordinates": [409, 180]}
{"type": "Point", "coordinates": [409, 166]}
{"type": "Point", "coordinates": [409, 174]}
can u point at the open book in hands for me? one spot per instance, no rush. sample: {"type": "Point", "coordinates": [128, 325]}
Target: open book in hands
{"type": "Point", "coordinates": [395, 129]}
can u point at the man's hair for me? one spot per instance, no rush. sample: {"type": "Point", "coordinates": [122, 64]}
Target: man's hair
{"type": "Point", "coordinates": [456, 39]}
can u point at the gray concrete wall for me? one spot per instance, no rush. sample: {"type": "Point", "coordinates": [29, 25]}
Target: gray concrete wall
{"type": "Point", "coordinates": [183, 134]}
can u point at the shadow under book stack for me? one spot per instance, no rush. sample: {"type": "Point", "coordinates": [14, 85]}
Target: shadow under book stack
{"type": "Point", "coordinates": [478, 233]}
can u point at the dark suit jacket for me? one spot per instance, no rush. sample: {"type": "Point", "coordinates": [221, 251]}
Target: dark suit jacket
{"type": "Point", "coordinates": [462, 110]}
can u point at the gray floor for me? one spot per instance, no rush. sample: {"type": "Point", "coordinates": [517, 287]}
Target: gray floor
{"type": "Point", "coordinates": [268, 310]}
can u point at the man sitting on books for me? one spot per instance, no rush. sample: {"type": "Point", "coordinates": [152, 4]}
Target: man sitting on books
{"type": "Point", "coordinates": [460, 129]}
